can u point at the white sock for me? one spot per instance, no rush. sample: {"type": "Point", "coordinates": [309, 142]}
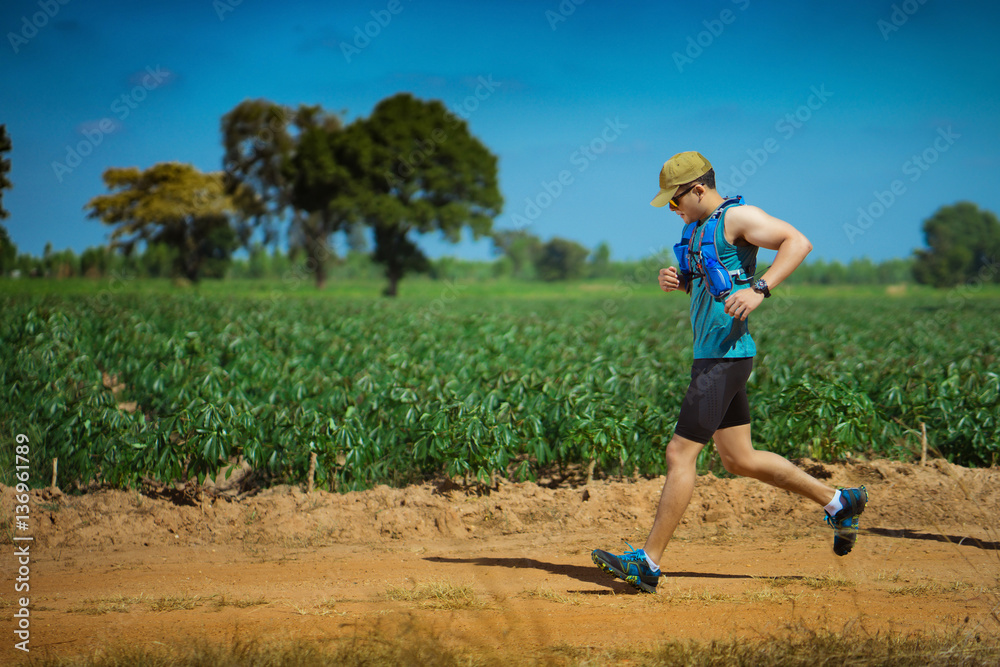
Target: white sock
{"type": "Point", "coordinates": [835, 504]}
{"type": "Point", "coordinates": [652, 566]}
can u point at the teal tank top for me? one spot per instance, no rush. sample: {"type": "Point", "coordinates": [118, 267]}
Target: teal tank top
{"type": "Point", "coordinates": [716, 334]}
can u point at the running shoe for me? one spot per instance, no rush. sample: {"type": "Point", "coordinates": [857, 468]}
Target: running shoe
{"type": "Point", "coordinates": [845, 522]}
{"type": "Point", "coordinates": [630, 566]}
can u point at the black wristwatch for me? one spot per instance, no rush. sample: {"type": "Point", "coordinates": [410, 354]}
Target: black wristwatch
{"type": "Point", "coordinates": [761, 288]}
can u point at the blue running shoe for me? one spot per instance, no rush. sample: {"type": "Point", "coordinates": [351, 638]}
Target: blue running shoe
{"type": "Point", "coordinates": [630, 566]}
{"type": "Point", "coordinates": [845, 522]}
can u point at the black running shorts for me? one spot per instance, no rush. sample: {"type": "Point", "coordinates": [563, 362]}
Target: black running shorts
{"type": "Point", "coordinates": [716, 398]}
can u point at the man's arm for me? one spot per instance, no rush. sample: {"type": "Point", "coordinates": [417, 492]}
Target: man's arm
{"type": "Point", "coordinates": [760, 229]}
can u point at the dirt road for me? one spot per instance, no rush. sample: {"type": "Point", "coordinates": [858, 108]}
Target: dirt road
{"type": "Point", "coordinates": [506, 570]}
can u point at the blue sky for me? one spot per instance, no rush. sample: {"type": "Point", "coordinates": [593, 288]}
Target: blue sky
{"type": "Point", "coordinates": [811, 110]}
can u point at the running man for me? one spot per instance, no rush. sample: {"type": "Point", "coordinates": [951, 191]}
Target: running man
{"type": "Point", "coordinates": [716, 406]}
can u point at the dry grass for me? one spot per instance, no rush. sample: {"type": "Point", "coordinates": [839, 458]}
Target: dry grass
{"type": "Point", "coordinates": [415, 647]}
{"type": "Point", "coordinates": [882, 575]}
{"type": "Point", "coordinates": [123, 603]}
{"type": "Point", "coordinates": [676, 597]}
{"type": "Point", "coordinates": [241, 603]}
{"type": "Point", "coordinates": [928, 588]}
{"type": "Point", "coordinates": [828, 582]}
{"type": "Point", "coordinates": [119, 604]}
{"type": "Point", "coordinates": [824, 582]}
{"type": "Point", "coordinates": [328, 603]}
{"type": "Point", "coordinates": [438, 595]}
{"type": "Point", "coordinates": [176, 602]}
{"type": "Point", "coordinates": [551, 596]}
{"type": "Point", "coordinates": [768, 594]}
{"type": "Point", "coordinates": [327, 607]}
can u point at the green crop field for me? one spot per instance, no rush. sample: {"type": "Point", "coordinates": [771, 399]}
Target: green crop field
{"type": "Point", "coordinates": [142, 380]}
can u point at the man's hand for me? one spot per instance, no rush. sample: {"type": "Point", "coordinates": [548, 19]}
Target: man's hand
{"type": "Point", "coordinates": [670, 280]}
{"type": "Point", "coordinates": [742, 303]}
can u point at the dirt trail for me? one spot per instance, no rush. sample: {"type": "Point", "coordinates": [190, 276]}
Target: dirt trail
{"type": "Point", "coordinates": [509, 569]}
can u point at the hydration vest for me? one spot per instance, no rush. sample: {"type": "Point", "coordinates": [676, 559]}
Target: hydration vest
{"type": "Point", "coordinates": [704, 262]}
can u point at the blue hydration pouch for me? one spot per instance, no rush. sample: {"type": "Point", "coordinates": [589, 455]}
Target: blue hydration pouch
{"type": "Point", "coordinates": [703, 261]}
{"type": "Point", "coordinates": [720, 280]}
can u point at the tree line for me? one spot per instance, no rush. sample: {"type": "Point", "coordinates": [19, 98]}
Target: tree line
{"type": "Point", "coordinates": [410, 168]}
{"type": "Point", "coordinates": [524, 258]}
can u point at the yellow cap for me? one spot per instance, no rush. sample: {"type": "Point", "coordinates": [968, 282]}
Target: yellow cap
{"type": "Point", "coordinates": [678, 170]}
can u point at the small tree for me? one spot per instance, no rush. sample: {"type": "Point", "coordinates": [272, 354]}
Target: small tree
{"type": "Point", "coordinates": [522, 249]}
{"type": "Point", "coordinates": [963, 245]}
{"type": "Point", "coordinates": [562, 259]}
{"type": "Point", "coordinates": [174, 204]}
{"type": "Point", "coordinates": [600, 261]}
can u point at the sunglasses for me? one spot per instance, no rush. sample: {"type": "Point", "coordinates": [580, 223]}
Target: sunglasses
{"type": "Point", "coordinates": [677, 197]}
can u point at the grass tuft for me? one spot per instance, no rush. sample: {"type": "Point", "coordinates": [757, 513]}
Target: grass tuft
{"type": "Point", "coordinates": [176, 602]}
{"type": "Point", "coordinates": [928, 588]}
{"type": "Point", "coordinates": [438, 595]}
{"type": "Point", "coordinates": [119, 604]}
{"type": "Point", "coordinates": [241, 603]}
{"type": "Point", "coordinates": [828, 581]}
{"type": "Point", "coordinates": [551, 596]}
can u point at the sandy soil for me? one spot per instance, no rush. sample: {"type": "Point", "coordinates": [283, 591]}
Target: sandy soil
{"type": "Point", "coordinates": [508, 569]}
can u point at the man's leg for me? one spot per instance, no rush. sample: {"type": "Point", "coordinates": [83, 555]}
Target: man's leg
{"type": "Point", "coordinates": [682, 457]}
{"type": "Point", "coordinates": [633, 566]}
{"type": "Point", "coordinates": [740, 458]}
{"type": "Point", "coordinates": [842, 510]}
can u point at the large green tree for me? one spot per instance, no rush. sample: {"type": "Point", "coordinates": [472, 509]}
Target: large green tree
{"type": "Point", "coordinates": [963, 246]}
{"type": "Point", "coordinates": [5, 184]}
{"type": "Point", "coordinates": [416, 168]}
{"type": "Point", "coordinates": [174, 204]}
